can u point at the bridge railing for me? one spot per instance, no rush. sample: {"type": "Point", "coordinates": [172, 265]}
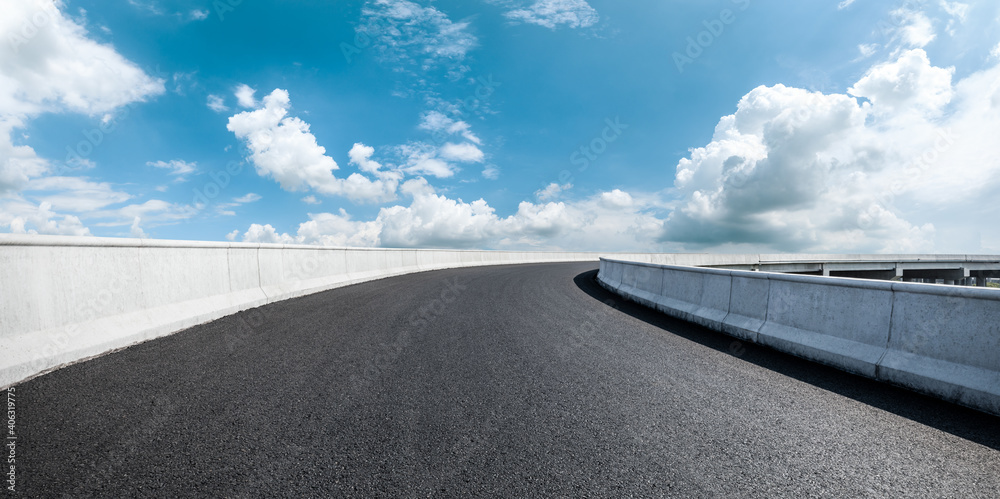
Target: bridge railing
{"type": "Point", "coordinates": [939, 340]}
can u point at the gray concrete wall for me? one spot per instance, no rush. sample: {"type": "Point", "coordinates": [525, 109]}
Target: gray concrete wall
{"type": "Point", "coordinates": [65, 299]}
{"type": "Point", "coordinates": [939, 340]}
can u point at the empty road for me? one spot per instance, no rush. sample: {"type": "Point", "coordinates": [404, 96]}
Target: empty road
{"type": "Point", "coordinates": [515, 380]}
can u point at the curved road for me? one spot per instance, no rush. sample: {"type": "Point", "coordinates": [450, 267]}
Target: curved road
{"type": "Point", "coordinates": [518, 381]}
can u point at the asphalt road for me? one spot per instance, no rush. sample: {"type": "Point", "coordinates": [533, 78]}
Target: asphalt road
{"type": "Point", "coordinates": [497, 381]}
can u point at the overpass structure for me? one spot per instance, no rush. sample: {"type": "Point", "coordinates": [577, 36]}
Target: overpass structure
{"type": "Point", "coordinates": [66, 299]}
{"type": "Point", "coordinates": [513, 380]}
{"type": "Point", "coordinates": [518, 379]}
{"type": "Point", "coordinates": [959, 270]}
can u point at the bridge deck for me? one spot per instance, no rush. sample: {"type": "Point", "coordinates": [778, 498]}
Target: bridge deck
{"type": "Point", "coordinates": [520, 380]}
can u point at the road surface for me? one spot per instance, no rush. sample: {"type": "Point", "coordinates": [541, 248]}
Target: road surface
{"type": "Point", "coordinates": [523, 380]}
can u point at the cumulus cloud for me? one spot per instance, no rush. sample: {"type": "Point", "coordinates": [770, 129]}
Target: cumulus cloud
{"type": "Point", "coordinates": [266, 234]}
{"type": "Point", "coordinates": [48, 65]}
{"type": "Point", "coordinates": [554, 13]}
{"type": "Point", "coordinates": [616, 199]}
{"type": "Point", "coordinates": [18, 163]}
{"type": "Point", "coordinates": [22, 217]}
{"type": "Point", "coordinates": [435, 220]}
{"type": "Point", "coordinates": [59, 69]}
{"type": "Point", "coordinates": [908, 83]}
{"type": "Point", "coordinates": [794, 170]}
{"type": "Point", "coordinates": [245, 96]}
{"type": "Point", "coordinates": [324, 229]}
{"type": "Point", "coordinates": [282, 147]}
{"type": "Point", "coordinates": [361, 156]}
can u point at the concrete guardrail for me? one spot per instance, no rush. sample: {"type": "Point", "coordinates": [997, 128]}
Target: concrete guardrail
{"type": "Point", "coordinates": [67, 299]}
{"type": "Point", "coordinates": [939, 340]}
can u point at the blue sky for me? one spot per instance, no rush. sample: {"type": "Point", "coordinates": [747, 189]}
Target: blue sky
{"type": "Point", "coordinates": [729, 125]}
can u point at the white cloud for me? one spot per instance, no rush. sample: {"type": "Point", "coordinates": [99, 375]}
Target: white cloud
{"type": "Point", "coordinates": [915, 28]}
{"type": "Point", "coordinates": [59, 69]}
{"type": "Point", "coordinates": [845, 4]}
{"type": "Point", "coordinates": [957, 10]}
{"type": "Point", "coordinates": [491, 172]}
{"type": "Point", "coordinates": [437, 221]}
{"type": "Point", "coordinates": [910, 82]}
{"type": "Point", "coordinates": [434, 220]}
{"type": "Point", "coordinates": [311, 200]}
{"type": "Point", "coordinates": [361, 155]}
{"type": "Point", "coordinates": [553, 13]}
{"type": "Point", "coordinates": [465, 153]}
{"type": "Point", "coordinates": [266, 234]}
{"type": "Point", "coordinates": [867, 49]}
{"type": "Point", "coordinates": [18, 163]}
{"type": "Point", "coordinates": [148, 6]}
{"type": "Point", "coordinates": [283, 148]}
{"type": "Point", "coordinates": [183, 82]}
{"type": "Point", "coordinates": [217, 104]}
{"type": "Point", "coordinates": [616, 199]}
{"type": "Point", "coordinates": [552, 191]}
{"type": "Point", "coordinates": [177, 167]}
{"type": "Point", "coordinates": [337, 230]}
{"type": "Point", "coordinates": [422, 159]}
{"type": "Point", "coordinates": [794, 170]}
{"type": "Point", "coordinates": [74, 193]}
{"type": "Point", "coordinates": [198, 15]}
{"type": "Point", "coordinates": [136, 229]}
{"type": "Point", "coordinates": [995, 53]}
{"type": "Point", "coordinates": [48, 65]}
{"type": "Point", "coordinates": [224, 208]}
{"type": "Point", "coordinates": [247, 198]}
{"type": "Point", "coordinates": [26, 218]}
{"type": "Point", "coordinates": [414, 38]}
{"type": "Point", "coordinates": [153, 210]}
{"type": "Point", "coordinates": [244, 96]}
{"type": "Point", "coordinates": [441, 125]}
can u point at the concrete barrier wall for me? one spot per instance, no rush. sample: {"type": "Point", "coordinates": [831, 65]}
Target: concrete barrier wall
{"type": "Point", "coordinates": [946, 340]}
{"type": "Point", "coordinates": [838, 322]}
{"type": "Point", "coordinates": [939, 340]}
{"type": "Point", "coordinates": [64, 299]}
